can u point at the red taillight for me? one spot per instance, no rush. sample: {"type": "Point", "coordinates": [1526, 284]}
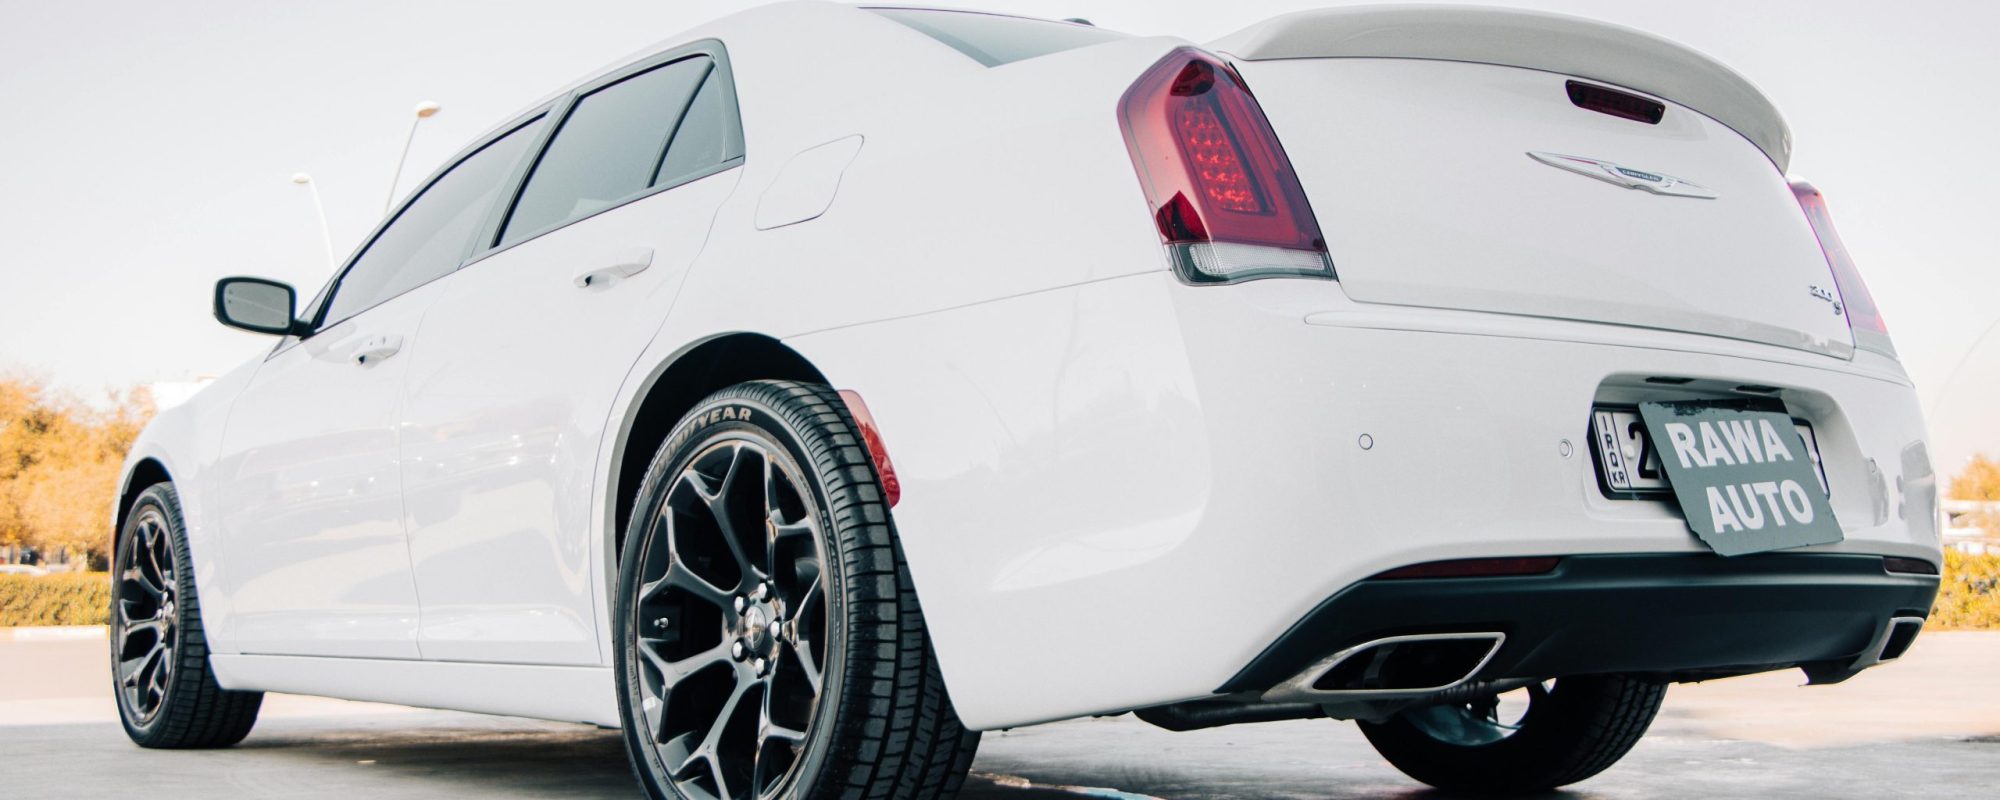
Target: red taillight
{"type": "Point", "coordinates": [1225, 198]}
{"type": "Point", "coordinates": [871, 436]}
{"type": "Point", "coordinates": [1870, 331]}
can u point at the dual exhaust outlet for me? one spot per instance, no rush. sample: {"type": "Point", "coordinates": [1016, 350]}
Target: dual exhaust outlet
{"type": "Point", "coordinates": [1380, 676]}
{"type": "Point", "coordinates": [1430, 664]}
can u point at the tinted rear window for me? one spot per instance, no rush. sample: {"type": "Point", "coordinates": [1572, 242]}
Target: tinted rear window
{"type": "Point", "coordinates": [703, 139]}
{"type": "Point", "coordinates": [993, 39]}
{"type": "Point", "coordinates": [608, 150]}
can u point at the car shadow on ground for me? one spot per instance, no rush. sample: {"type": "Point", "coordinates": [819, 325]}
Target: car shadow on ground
{"type": "Point", "coordinates": [481, 762]}
{"type": "Point", "coordinates": [469, 762]}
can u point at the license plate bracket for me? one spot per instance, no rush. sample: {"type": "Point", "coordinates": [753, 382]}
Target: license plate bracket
{"type": "Point", "coordinates": [1628, 466]}
{"type": "Point", "coordinates": [1742, 473]}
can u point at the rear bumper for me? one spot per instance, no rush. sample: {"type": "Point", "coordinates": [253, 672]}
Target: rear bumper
{"type": "Point", "coordinates": [1121, 493]}
{"type": "Point", "coordinates": [1672, 616]}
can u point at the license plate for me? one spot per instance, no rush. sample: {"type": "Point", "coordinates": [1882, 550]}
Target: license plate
{"type": "Point", "coordinates": [1742, 474]}
{"type": "Point", "coordinates": [1628, 466]}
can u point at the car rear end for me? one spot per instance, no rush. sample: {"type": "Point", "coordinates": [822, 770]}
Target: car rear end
{"type": "Point", "coordinates": [1444, 273]}
{"type": "Point", "coordinates": [1311, 382]}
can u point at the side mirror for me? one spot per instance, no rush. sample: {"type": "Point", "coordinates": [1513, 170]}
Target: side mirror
{"type": "Point", "coordinates": [256, 305]}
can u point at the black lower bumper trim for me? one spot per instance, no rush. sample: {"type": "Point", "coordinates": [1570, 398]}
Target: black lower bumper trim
{"type": "Point", "coordinates": [1679, 616]}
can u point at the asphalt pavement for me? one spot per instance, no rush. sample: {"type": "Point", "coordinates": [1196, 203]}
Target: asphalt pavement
{"type": "Point", "coordinates": [1928, 726]}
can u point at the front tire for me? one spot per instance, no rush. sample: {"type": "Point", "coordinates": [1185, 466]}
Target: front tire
{"type": "Point", "coordinates": [769, 641]}
{"type": "Point", "coordinates": [1571, 731]}
{"type": "Point", "coordinates": [167, 695]}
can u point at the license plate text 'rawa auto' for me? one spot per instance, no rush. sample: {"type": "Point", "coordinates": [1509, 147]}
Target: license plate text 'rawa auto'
{"type": "Point", "coordinates": [1628, 466]}
{"type": "Point", "coordinates": [1742, 474]}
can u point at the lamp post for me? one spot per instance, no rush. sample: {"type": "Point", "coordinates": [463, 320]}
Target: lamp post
{"type": "Point", "coordinates": [325, 235]}
{"type": "Point", "coordinates": [425, 110]}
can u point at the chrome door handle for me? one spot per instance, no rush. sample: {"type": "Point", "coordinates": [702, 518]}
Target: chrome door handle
{"type": "Point", "coordinates": [378, 348]}
{"type": "Point", "coordinates": [626, 265]}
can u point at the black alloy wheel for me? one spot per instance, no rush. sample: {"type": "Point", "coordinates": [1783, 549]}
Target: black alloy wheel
{"type": "Point", "coordinates": [143, 615]}
{"type": "Point", "coordinates": [769, 641]}
{"type": "Point", "coordinates": [730, 622]}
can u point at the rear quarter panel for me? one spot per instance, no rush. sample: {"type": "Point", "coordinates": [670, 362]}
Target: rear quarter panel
{"type": "Point", "coordinates": [982, 211]}
{"type": "Point", "coordinates": [972, 185]}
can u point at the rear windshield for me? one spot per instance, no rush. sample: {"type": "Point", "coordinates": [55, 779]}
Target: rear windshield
{"type": "Point", "coordinates": [993, 39]}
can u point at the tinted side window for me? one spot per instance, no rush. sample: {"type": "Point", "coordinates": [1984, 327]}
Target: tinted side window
{"type": "Point", "coordinates": [430, 237]}
{"type": "Point", "coordinates": [706, 136]}
{"type": "Point", "coordinates": [608, 149]}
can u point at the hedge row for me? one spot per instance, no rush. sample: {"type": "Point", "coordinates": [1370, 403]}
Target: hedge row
{"type": "Point", "coordinates": [63, 599]}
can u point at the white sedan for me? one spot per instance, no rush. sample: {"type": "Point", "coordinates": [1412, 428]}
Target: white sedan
{"type": "Point", "coordinates": [1472, 374]}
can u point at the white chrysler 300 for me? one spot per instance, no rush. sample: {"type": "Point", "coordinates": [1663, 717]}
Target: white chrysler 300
{"type": "Point", "coordinates": [1471, 374]}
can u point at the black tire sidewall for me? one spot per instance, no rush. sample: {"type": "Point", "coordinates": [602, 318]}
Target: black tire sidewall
{"type": "Point", "coordinates": [734, 412]}
{"type": "Point", "coordinates": [1560, 742]}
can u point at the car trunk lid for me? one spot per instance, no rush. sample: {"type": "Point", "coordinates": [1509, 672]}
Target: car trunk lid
{"type": "Point", "coordinates": [1467, 172]}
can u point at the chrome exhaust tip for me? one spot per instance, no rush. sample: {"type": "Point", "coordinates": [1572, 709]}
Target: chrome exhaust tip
{"type": "Point", "coordinates": [1392, 667]}
{"type": "Point", "coordinates": [1902, 633]}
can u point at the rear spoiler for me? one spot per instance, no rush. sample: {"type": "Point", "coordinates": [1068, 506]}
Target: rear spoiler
{"type": "Point", "coordinates": [1535, 40]}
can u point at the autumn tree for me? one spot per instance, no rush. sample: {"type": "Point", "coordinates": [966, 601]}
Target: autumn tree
{"type": "Point", "coordinates": [59, 463]}
{"type": "Point", "coordinates": [20, 402]}
{"type": "Point", "coordinates": [1980, 482]}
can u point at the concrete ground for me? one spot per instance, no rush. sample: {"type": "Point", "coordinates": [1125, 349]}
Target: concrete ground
{"type": "Point", "coordinates": [1928, 726]}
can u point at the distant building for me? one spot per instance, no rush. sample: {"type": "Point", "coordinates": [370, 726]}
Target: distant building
{"type": "Point", "coordinates": [1961, 531]}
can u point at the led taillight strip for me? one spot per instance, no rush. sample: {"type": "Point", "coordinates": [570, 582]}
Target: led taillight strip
{"type": "Point", "coordinates": [1226, 201]}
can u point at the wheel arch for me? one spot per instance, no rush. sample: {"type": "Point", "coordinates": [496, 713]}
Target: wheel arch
{"type": "Point", "coordinates": [673, 388]}
{"type": "Point", "coordinates": [143, 474]}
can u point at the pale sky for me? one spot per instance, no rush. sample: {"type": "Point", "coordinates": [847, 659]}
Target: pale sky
{"type": "Point", "coordinates": [146, 149]}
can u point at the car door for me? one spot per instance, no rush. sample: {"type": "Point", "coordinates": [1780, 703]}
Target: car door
{"type": "Point", "coordinates": [315, 556]}
{"type": "Point", "coordinates": [523, 355]}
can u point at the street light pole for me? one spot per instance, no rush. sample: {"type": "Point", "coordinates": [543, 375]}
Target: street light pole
{"type": "Point", "coordinates": [325, 235]}
{"type": "Point", "coordinates": [425, 110]}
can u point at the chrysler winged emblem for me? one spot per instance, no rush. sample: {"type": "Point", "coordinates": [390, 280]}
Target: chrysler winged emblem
{"type": "Point", "coordinates": [1624, 176]}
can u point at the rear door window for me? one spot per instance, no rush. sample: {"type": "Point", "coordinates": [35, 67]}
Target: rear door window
{"type": "Point", "coordinates": [613, 147]}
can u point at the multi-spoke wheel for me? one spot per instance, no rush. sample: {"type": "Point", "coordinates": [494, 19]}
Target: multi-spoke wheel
{"type": "Point", "coordinates": [143, 616]}
{"type": "Point", "coordinates": [731, 622]}
{"type": "Point", "coordinates": [1532, 739]}
{"type": "Point", "coordinates": [769, 646]}
{"type": "Point", "coordinates": [159, 658]}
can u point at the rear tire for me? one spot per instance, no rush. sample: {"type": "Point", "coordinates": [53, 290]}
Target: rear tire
{"type": "Point", "coordinates": [769, 641]}
{"type": "Point", "coordinates": [167, 694]}
{"type": "Point", "coordinates": [1572, 731]}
